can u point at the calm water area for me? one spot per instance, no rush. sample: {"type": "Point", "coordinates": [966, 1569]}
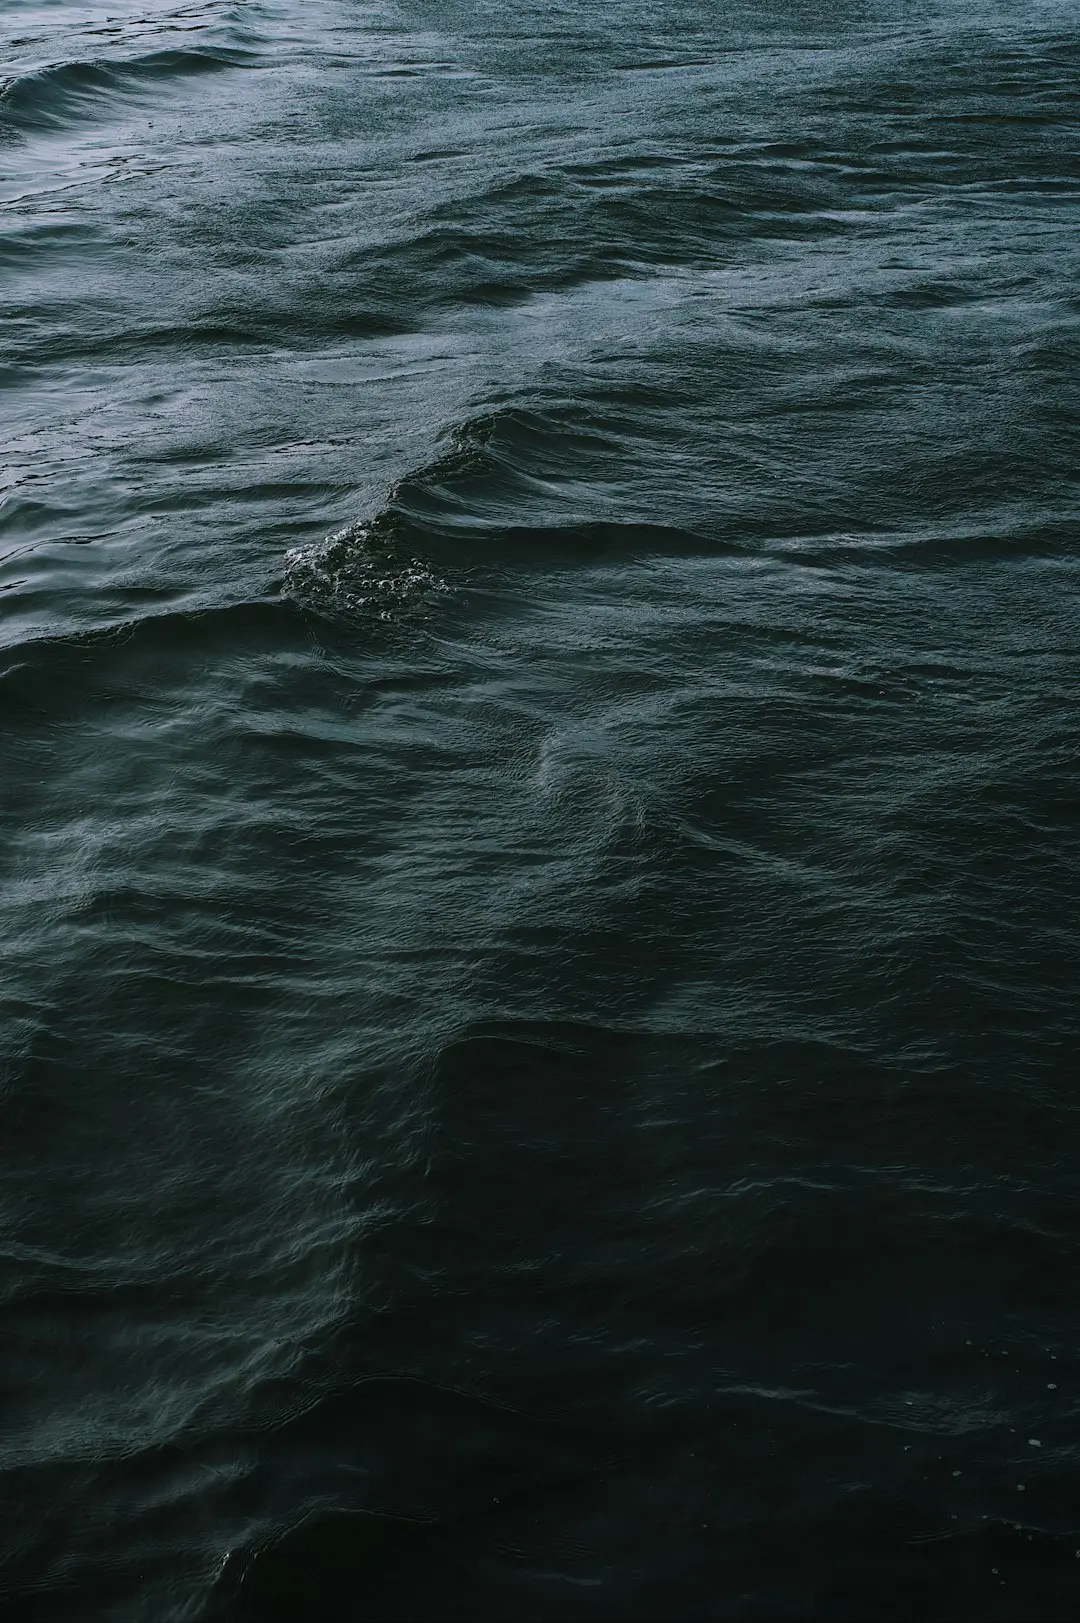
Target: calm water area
{"type": "Point", "coordinates": [539, 811]}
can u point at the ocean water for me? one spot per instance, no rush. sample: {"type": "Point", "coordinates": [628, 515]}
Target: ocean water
{"type": "Point", "coordinates": [539, 810]}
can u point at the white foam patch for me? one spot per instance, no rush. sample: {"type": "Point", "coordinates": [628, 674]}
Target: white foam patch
{"type": "Point", "coordinates": [358, 571]}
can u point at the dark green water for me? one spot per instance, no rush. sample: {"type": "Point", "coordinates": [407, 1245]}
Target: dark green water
{"type": "Point", "coordinates": [539, 811]}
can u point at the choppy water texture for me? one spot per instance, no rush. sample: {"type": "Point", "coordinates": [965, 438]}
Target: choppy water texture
{"type": "Point", "coordinates": [538, 928]}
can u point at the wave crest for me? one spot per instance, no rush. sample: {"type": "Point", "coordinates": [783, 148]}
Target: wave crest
{"type": "Point", "coordinates": [362, 570]}
{"type": "Point", "coordinates": [55, 96]}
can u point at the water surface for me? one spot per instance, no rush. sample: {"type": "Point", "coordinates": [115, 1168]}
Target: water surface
{"type": "Point", "coordinates": [538, 665]}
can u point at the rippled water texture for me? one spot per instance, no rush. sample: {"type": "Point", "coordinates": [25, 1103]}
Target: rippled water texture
{"type": "Point", "coordinates": [539, 806]}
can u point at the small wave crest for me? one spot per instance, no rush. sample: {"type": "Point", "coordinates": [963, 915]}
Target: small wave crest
{"type": "Point", "coordinates": [505, 489]}
{"type": "Point", "coordinates": [362, 570]}
{"type": "Point", "coordinates": [52, 97]}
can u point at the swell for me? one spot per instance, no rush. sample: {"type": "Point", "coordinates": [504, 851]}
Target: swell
{"type": "Point", "coordinates": [52, 98]}
{"type": "Point", "coordinates": [46, 676]}
{"type": "Point", "coordinates": [533, 488]}
{"type": "Point", "coordinates": [565, 227]}
{"type": "Point", "coordinates": [509, 489]}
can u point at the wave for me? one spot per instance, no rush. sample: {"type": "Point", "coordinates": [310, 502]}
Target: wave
{"type": "Point", "coordinates": [54, 97]}
{"type": "Point", "coordinates": [1024, 540]}
{"type": "Point", "coordinates": [47, 676]}
{"type": "Point", "coordinates": [507, 489]}
{"type": "Point", "coordinates": [501, 240]}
